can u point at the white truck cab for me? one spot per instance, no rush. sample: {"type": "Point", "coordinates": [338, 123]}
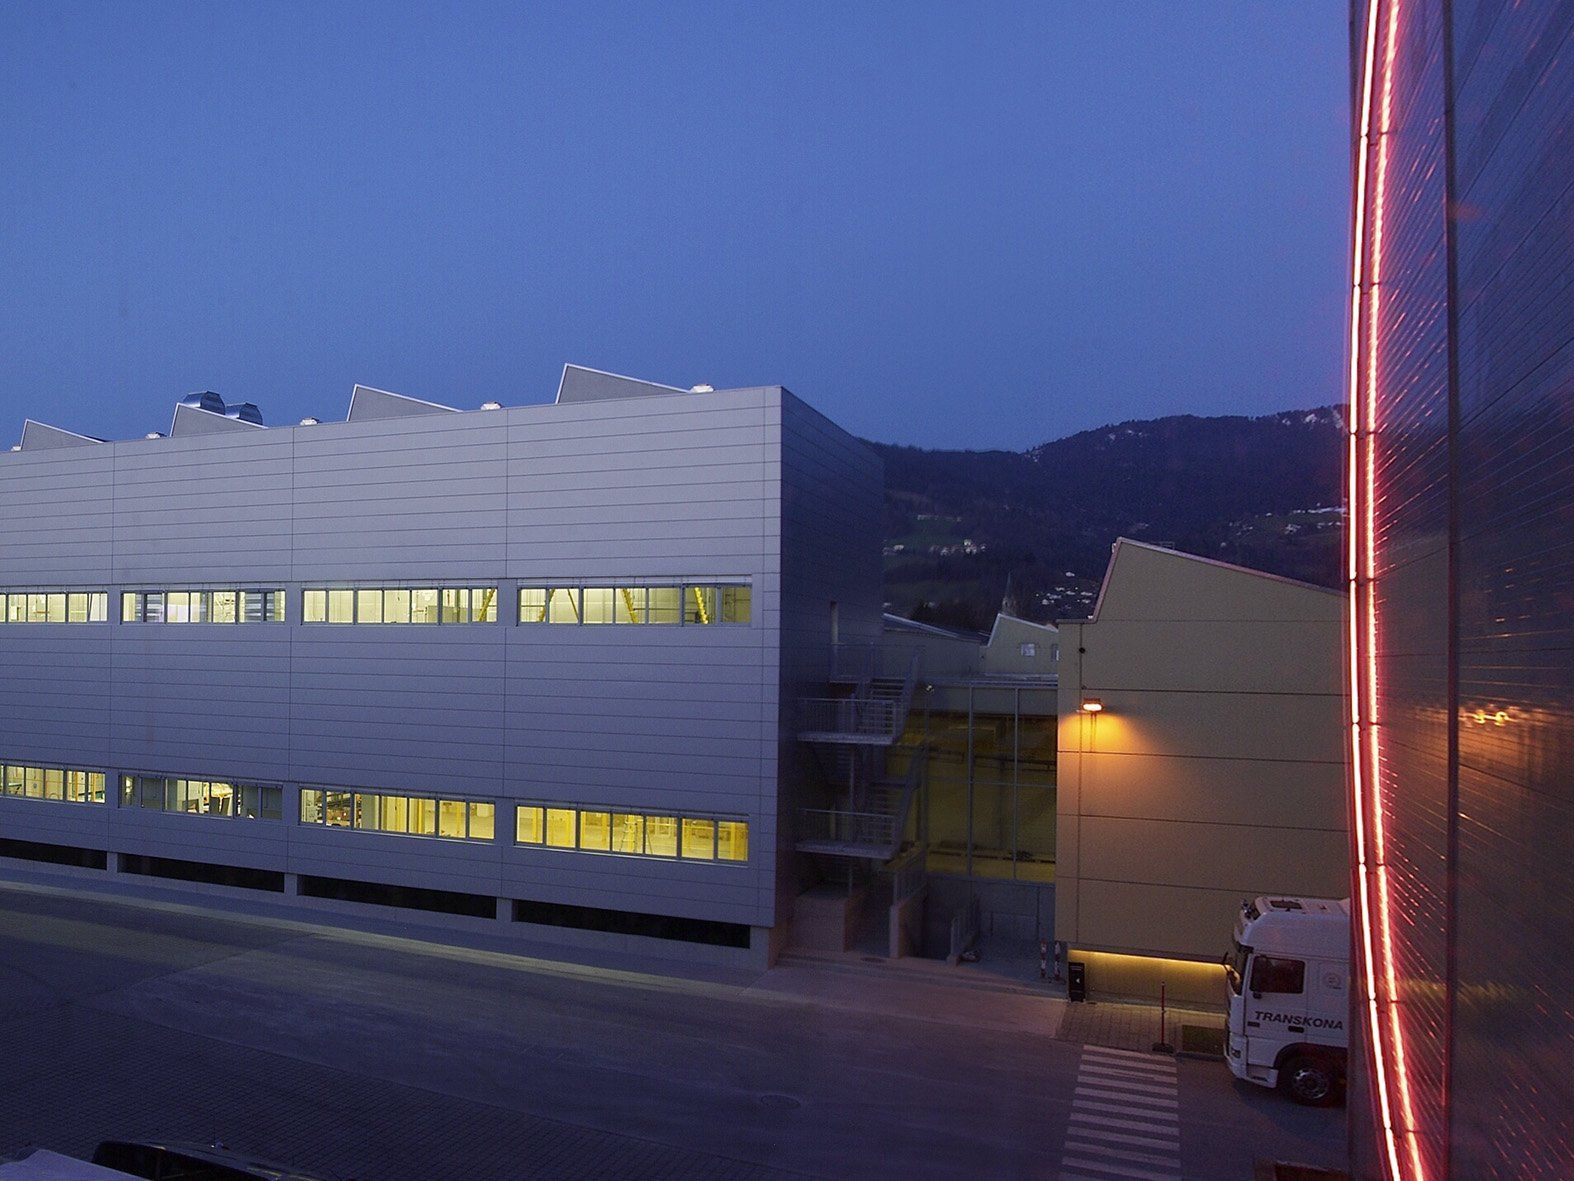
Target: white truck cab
{"type": "Point", "coordinates": [1288, 974]}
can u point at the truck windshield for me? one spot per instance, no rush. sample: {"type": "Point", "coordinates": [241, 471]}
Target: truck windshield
{"type": "Point", "coordinates": [1235, 965]}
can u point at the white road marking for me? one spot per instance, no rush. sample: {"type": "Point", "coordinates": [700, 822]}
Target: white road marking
{"type": "Point", "coordinates": [1125, 1119]}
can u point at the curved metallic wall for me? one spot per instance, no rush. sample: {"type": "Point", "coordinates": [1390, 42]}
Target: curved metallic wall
{"type": "Point", "coordinates": [1462, 552]}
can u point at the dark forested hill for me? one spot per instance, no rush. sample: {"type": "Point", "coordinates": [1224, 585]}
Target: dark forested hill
{"type": "Point", "coordinates": [967, 529]}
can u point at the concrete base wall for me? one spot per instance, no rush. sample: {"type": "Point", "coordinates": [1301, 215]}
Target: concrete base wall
{"type": "Point", "coordinates": [907, 925]}
{"type": "Point", "coordinates": [827, 918]}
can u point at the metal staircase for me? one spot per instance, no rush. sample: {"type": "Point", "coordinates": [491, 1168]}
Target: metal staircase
{"type": "Point", "coordinates": [853, 733]}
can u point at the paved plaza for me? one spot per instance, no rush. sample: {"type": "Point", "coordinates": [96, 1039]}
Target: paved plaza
{"type": "Point", "coordinates": [369, 1056]}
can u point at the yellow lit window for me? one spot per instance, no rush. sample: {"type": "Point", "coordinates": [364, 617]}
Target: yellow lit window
{"type": "Point", "coordinates": [314, 607]}
{"type": "Point", "coordinates": [311, 804]}
{"type": "Point", "coordinates": [562, 605]}
{"type": "Point", "coordinates": [341, 606]}
{"type": "Point", "coordinates": [482, 820]}
{"type": "Point", "coordinates": [598, 602]}
{"type": "Point", "coordinates": [366, 810]}
{"type": "Point", "coordinates": [629, 606]}
{"type": "Point", "coordinates": [13, 781]}
{"type": "Point", "coordinates": [369, 606]}
{"type": "Point", "coordinates": [595, 831]}
{"type": "Point", "coordinates": [628, 833]}
{"type": "Point", "coordinates": [423, 605]}
{"type": "Point", "coordinates": [664, 604]}
{"type": "Point", "coordinates": [456, 604]}
{"type": "Point", "coordinates": [95, 786]}
{"type": "Point", "coordinates": [699, 840]}
{"type": "Point", "coordinates": [423, 816]}
{"type": "Point", "coordinates": [57, 608]}
{"type": "Point", "coordinates": [336, 807]}
{"type": "Point", "coordinates": [532, 604]}
{"type": "Point", "coordinates": [395, 814]}
{"type": "Point", "coordinates": [560, 828]}
{"type": "Point", "coordinates": [735, 604]}
{"type": "Point", "coordinates": [395, 605]}
{"type": "Point", "coordinates": [732, 840]}
{"type": "Point", "coordinates": [226, 606]}
{"type": "Point", "coordinates": [451, 819]}
{"type": "Point", "coordinates": [483, 604]}
{"type": "Point", "coordinates": [530, 829]}
{"type": "Point", "coordinates": [661, 836]}
{"type": "Point", "coordinates": [76, 607]}
{"type": "Point", "coordinates": [699, 604]}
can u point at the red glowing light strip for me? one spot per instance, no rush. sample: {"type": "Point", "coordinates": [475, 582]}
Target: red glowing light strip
{"type": "Point", "coordinates": [1364, 696]}
{"type": "Point", "coordinates": [1379, 837]}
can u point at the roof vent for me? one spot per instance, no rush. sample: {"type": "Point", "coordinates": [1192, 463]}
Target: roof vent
{"type": "Point", "coordinates": [204, 400]}
{"type": "Point", "coordinates": [491, 405]}
{"type": "Point", "coordinates": [245, 411]}
{"type": "Point", "coordinates": [16, 446]}
{"type": "Point", "coordinates": [152, 435]}
{"type": "Point", "coordinates": [309, 422]}
{"type": "Point", "coordinates": [702, 389]}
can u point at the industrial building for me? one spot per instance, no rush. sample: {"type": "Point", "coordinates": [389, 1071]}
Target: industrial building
{"type": "Point", "coordinates": [536, 669]}
{"type": "Point", "coordinates": [1462, 497]}
{"type": "Point", "coordinates": [1200, 762]}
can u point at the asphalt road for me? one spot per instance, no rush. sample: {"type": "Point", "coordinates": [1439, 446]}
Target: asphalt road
{"type": "Point", "coordinates": [384, 1059]}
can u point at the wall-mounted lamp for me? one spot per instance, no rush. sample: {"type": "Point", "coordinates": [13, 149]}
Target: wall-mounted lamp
{"type": "Point", "coordinates": [1092, 705]}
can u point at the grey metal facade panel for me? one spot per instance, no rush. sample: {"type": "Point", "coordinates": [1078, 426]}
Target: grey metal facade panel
{"type": "Point", "coordinates": [671, 719]}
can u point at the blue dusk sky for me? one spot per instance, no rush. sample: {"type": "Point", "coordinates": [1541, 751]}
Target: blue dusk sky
{"type": "Point", "coordinates": [959, 224]}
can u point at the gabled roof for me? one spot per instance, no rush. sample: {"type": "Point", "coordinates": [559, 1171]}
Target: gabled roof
{"type": "Point", "coordinates": [1120, 542]}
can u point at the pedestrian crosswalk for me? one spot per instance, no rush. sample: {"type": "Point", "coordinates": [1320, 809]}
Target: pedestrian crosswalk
{"type": "Point", "coordinates": [1125, 1119]}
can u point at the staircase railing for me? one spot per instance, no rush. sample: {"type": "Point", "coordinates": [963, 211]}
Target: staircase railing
{"type": "Point", "coordinates": [863, 716]}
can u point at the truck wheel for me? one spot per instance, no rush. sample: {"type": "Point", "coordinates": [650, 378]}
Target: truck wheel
{"type": "Point", "coordinates": [1309, 1080]}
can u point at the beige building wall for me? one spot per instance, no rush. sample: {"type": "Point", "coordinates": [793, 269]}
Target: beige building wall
{"type": "Point", "coordinates": [1215, 771]}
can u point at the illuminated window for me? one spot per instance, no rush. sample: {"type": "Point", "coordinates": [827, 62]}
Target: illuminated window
{"type": "Point", "coordinates": [732, 840]}
{"type": "Point", "coordinates": [548, 604]}
{"type": "Point", "coordinates": [400, 815]}
{"type": "Point", "coordinates": [199, 606]}
{"type": "Point", "coordinates": [66, 785]}
{"type": "Point", "coordinates": [699, 604]}
{"type": "Point", "coordinates": [598, 602]}
{"type": "Point", "coordinates": [202, 797]}
{"type": "Point", "coordinates": [699, 839]}
{"type": "Point", "coordinates": [560, 828]}
{"type": "Point", "coordinates": [628, 833]}
{"type": "Point", "coordinates": [482, 820]}
{"type": "Point", "coordinates": [530, 827]}
{"type": "Point", "coordinates": [735, 604]}
{"type": "Point", "coordinates": [595, 831]}
{"type": "Point", "coordinates": [636, 834]}
{"type": "Point", "coordinates": [376, 605]}
{"type": "Point", "coordinates": [661, 836]}
{"type": "Point", "coordinates": [76, 606]}
{"type": "Point", "coordinates": [628, 605]}
{"type": "Point", "coordinates": [423, 817]}
{"type": "Point", "coordinates": [451, 819]}
{"type": "Point", "coordinates": [664, 604]}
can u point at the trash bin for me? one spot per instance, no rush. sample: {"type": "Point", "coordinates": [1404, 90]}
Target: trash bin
{"type": "Point", "coordinates": [1076, 981]}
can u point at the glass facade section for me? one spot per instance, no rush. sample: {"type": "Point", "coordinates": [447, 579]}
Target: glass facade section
{"type": "Point", "coordinates": [402, 815]}
{"type": "Point", "coordinates": [69, 606]}
{"type": "Point", "coordinates": [202, 797]}
{"type": "Point", "coordinates": [674, 604]}
{"type": "Point", "coordinates": [202, 606]}
{"type": "Point", "coordinates": [989, 779]}
{"type": "Point", "coordinates": [1462, 493]}
{"type": "Point", "coordinates": [67, 785]}
{"type": "Point", "coordinates": [373, 605]}
{"type": "Point", "coordinates": [695, 838]}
